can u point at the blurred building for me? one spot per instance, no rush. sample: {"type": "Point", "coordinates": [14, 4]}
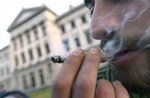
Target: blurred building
{"type": "Point", "coordinates": [75, 31]}
{"type": "Point", "coordinates": [34, 35]}
{"type": "Point", "coordinates": [5, 71]}
{"type": "Point", "coordinates": [39, 33]}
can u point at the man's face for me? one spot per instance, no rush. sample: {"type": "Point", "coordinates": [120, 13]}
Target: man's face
{"type": "Point", "coordinates": [123, 26]}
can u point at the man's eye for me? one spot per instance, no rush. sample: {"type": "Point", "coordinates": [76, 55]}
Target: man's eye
{"type": "Point", "coordinates": [91, 7]}
{"type": "Point", "coordinates": [91, 11]}
{"type": "Point", "coordinates": [90, 4]}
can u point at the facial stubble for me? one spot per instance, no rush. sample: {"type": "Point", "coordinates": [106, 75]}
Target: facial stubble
{"type": "Point", "coordinates": [135, 77]}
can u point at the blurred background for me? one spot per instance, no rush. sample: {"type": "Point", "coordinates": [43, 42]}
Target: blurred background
{"type": "Point", "coordinates": [31, 32]}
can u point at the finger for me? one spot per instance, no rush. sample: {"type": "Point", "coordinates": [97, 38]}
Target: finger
{"type": "Point", "coordinates": [84, 86]}
{"type": "Point", "coordinates": [104, 90]}
{"type": "Point", "coordinates": [120, 91]}
{"type": "Point", "coordinates": [62, 84]}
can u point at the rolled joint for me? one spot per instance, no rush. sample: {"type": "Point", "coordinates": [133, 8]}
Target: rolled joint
{"type": "Point", "coordinates": [59, 59]}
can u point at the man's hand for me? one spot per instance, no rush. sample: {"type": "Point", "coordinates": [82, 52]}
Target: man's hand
{"type": "Point", "coordinates": [77, 78]}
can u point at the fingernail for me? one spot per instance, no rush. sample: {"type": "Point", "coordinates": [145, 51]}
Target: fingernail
{"type": "Point", "coordinates": [117, 83]}
{"type": "Point", "coordinates": [100, 81]}
{"type": "Point", "coordinates": [94, 51]}
{"type": "Point", "coordinates": [77, 52]}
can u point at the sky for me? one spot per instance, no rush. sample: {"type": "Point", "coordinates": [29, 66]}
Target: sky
{"type": "Point", "coordinates": [9, 9]}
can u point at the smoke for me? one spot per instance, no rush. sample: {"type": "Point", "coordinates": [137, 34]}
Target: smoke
{"type": "Point", "coordinates": [129, 15]}
{"type": "Point", "coordinates": [144, 41]}
{"type": "Point", "coordinates": [135, 10]}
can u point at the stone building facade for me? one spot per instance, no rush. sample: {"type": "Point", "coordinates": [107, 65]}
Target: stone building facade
{"type": "Point", "coordinates": [75, 31]}
{"type": "Point", "coordinates": [39, 33]}
{"type": "Point", "coordinates": [5, 71]}
{"type": "Point", "coordinates": [33, 33]}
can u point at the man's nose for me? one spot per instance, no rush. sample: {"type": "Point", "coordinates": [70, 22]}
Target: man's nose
{"type": "Point", "coordinates": [102, 27]}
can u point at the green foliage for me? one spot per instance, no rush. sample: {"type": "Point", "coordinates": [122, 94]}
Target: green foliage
{"type": "Point", "coordinates": [43, 93]}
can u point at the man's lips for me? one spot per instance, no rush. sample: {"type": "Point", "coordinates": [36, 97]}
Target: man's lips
{"type": "Point", "coordinates": [125, 56]}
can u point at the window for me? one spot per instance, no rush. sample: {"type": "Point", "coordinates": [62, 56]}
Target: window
{"type": "Point", "coordinates": [2, 72]}
{"type": "Point", "coordinates": [31, 54]}
{"type": "Point", "coordinates": [24, 79]}
{"type": "Point", "coordinates": [16, 61]}
{"type": "Point", "coordinates": [14, 44]}
{"type": "Point", "coordinates": [39, 51]}
{"type": "Point", "coordinates": [88, 37]}
{"type": "Point", "coordinates": [73, 24]}
{"type": "Point", "coordinates": [21, 41]}
{"type": "Point", "coordinates": [28, 37]}
{"type": "Point", "coordinates": [32, 77]}
{"type": "Point", "coordinates": [77, 42]}
{"type": "Point", "coordinates": [63, 29]}
{"type": "Point", "coordinates": [66, 45]}
{"type": "Point", "coordinates": [23, 58]}
{"type": "Point", "coordinates": [0, 59]}
{"type": "Point", "coordinates": [6, 56]}
{"type": "Point", "coordinates": [36, 33]}
{"type": "Point", "coordinates": [41, 75]}
{"type": "Point", "coordinates": [43, 27]}
{"type": "Point", "coordinates": [8, 70]}
{"type": "Point", "coordinates": [50, 68]}
{"type": "Point", "coordinates": [47, 48]}
{"type": "Point", "coordinates": [83, 19]}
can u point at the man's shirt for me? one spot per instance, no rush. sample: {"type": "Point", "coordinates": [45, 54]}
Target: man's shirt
{"type": "Point", "coordinates": [106, 73]}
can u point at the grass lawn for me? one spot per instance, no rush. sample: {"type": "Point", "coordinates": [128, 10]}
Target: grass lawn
{"type": "Point", "coordinates": [43, 93]}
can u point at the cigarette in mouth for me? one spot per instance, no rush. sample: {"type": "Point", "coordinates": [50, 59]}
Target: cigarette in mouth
{"type": "Point", "coordinates": [59, 59]}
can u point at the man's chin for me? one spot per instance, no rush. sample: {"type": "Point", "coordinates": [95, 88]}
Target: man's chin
{"type": "Point", "coordinates": [132, 80]}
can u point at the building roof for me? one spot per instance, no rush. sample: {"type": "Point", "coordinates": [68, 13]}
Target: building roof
{"type": "Point", "coordinates": [4, 48]}
{"type": "Point", "coordinates": [70, 12]}
{"type": "Point", "coordinates": [27, 14]}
